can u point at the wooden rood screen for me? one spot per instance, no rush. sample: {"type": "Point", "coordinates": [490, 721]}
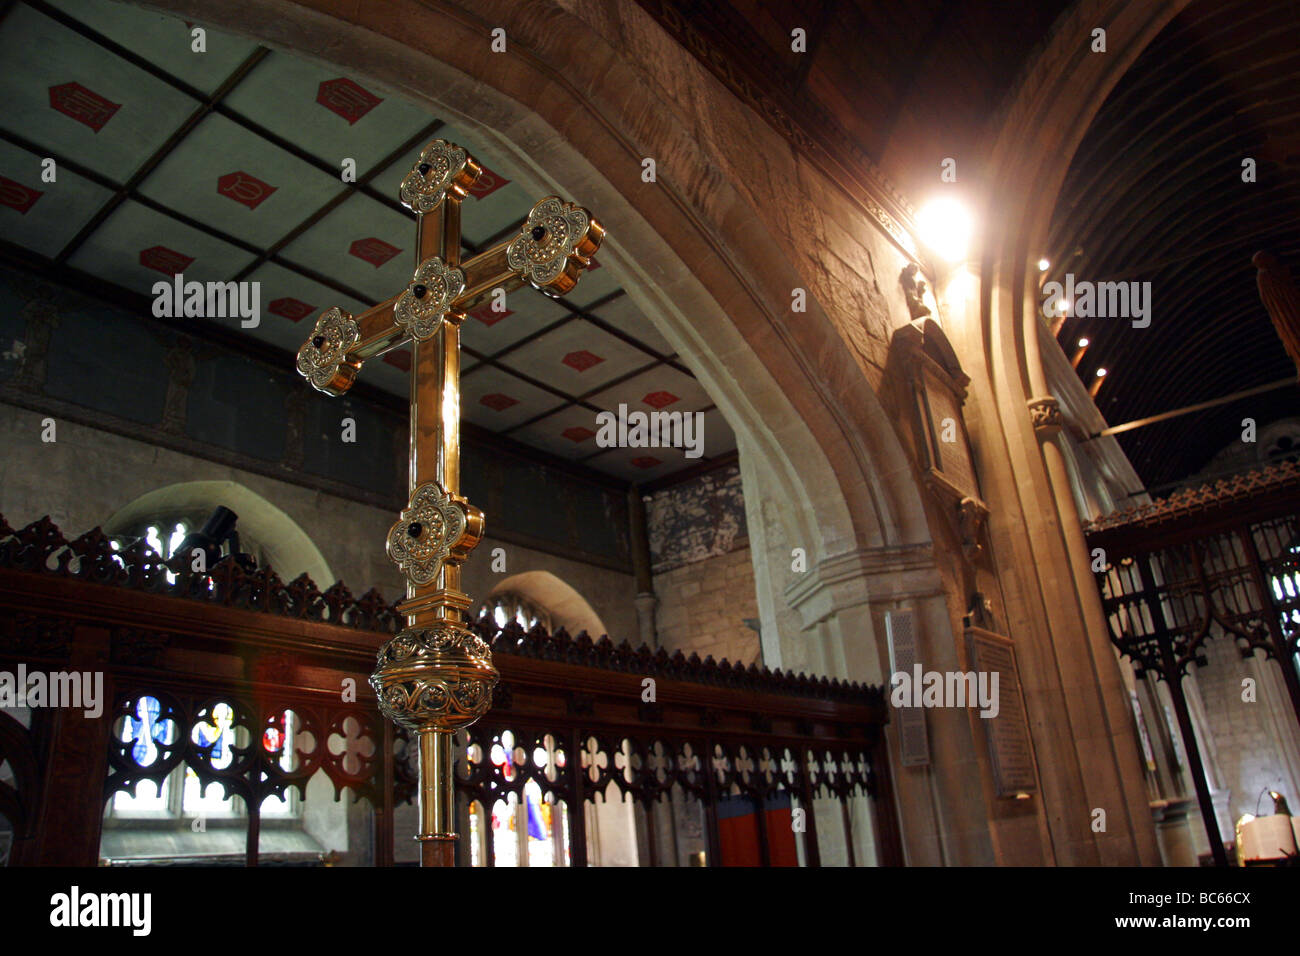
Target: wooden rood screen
{"type": "Point", "coordinates": [260, 687]}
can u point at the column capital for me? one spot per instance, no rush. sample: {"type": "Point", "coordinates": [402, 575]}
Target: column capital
{"type": "Point", "coordinates": [1046, 416]}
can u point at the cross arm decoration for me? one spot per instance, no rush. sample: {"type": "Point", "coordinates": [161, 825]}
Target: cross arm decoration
{"type": "Point", "coordinates": [436, 675]}
{"type": "Point", "coordinates": [551, 249]}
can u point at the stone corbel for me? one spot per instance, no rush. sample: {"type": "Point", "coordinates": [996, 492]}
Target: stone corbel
{"type": "Point", "coordinates": [1045, 413]}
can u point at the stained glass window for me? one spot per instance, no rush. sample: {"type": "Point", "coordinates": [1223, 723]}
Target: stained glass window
{"type": "Point", "coordinates": [532, 831]}
{"type": "Point", "coordinates": [279, 741]}
{"type": "Point", "coordinates": [508, 606]}
{"type": "Point", "coordinates": [145, 731]}
{"type": "Point", "coordinates": [216, 736]}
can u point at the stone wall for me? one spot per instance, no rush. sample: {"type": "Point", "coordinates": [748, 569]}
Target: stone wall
{"type": "Point", "coordinates": [709, 607]}
{"type": "Point", "coordinates": [703, 572]}
{"type": "Point", "coordinates": [87, 474]}
{"type": "Point", "coordinates": [1245, 743]}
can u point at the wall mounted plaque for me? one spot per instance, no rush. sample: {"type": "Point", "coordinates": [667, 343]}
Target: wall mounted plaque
{"type": "Point", "coordinates": [1011, 751]}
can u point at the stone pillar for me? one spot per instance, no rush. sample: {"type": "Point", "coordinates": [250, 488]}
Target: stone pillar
{"type": "Point", "coordinates": [1174, 831]}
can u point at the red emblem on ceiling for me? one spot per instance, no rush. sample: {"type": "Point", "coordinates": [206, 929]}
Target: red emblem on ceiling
{"type": "Point", "coordinates": [372, 250]}
{"type": "Point", "coordinates": [581, 360]}
{"type": "Point", "coordinates": [593, 266]}
{"type": "Point", "coordinates": [485, 315]}
{"type": "Point", "coordinates": [487, 183]}
{"type": "Point", "coordinates": [346, 98]}
{"type": "Point", "coordinates": [83, 105]}
{"type": "Point", "coordinates": [577, 433]}
{"type": "Point", "coordinates": [17, 196]}
{"type": "Point", "coordinates": [646, 461]}
{"type": "Point", "coordinates": [400, 359]}
{"type": "Point", "coordinates": [295, 310]}
{"type": "Point", "coordinates": [498, 402]}
{"type": "Point", "coordinates": [243, 188]}
{"type": "Point", "coordinates": [167, 261]}
{"type": "Point", "coordinates": [659, 399]}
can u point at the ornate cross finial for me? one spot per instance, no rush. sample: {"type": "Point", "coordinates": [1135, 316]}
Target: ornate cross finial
{"type": "Point", "coordinates": [436, 675]}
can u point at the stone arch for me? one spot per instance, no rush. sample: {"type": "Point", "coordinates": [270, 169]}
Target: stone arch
{"type": "Point", "coordinates": [289, 549]}
{"type": "Point", "coordinates": [828, 470]}
{"type": "Point", "coordinates": [568, 608]}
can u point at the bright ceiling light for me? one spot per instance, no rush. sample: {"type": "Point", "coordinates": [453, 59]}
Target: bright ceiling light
{"type": "Point", "coordinates": [946, 227]}
{"type": "Point", "coordinates": [1063, 307]}
{"type": "Point", "coordinates": [1101, 373]}
{"type": "Point", "coordinates": [1083, 343]}
{"type": "Point", "coordinates": [1043, 265]}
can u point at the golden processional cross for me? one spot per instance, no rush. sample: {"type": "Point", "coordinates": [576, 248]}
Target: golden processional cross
{"type": "Point", "coordinates": [436, 676]}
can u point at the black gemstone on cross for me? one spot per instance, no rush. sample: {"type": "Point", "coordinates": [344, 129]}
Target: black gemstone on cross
{"type": "Point", "coordinates": [415, 529]}
{"type": "Point", "coordinates": [539, 233]}
{"type": "Point", "coordinates": [419, 291]}
{"type": "Point", "coordinates": [424, 169]}
{"type": "Point", "coordinates": [318, 341]}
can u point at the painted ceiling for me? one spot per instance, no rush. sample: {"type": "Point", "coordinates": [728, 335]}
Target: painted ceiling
{"type": "Point", "coordinates": [225, 165]}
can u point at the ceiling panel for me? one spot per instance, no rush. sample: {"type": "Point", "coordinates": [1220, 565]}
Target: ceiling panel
{"type": "Point", "coordinates": [661, 388]}
{"type": "Point", "coordinates": [330, 115]}
{"type": "Point", "coordinates": [596, 284]}
{"type": "Point", "coordinates": [495, 399]}
{"type": "Point", "coordinates": [222, 173]}
{"type": "Point", "coordinates": [39, 215]}
{"type": "Point", "coordinates": [164, 41]}
{"type": "Point", "coordinates": [107, 114]}
{"type": "Point", "coordinates": [363, 244]}
{"type": "Point", "coordinates": [134, 235]}
{"type": "Point", "coordinates": [576, 358]}
{"type": "Point", "coordinates": [290, 304]}
{"type": "Point", "coordinates": [641, 464]}
{"type": "Point", "coordinates": [569, 433]}
{"type": "Point", "coordinates": [622, 313]}
{"type": "Point", "coordinates": [390, 371]}
{"type": "Point", "coordinates": [527, 311]}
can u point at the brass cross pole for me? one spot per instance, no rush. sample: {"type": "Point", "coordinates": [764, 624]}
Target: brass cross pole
{"type": "Point", "coordinates": [436, 676]}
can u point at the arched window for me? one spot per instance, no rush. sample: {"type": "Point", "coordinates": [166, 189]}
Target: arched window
{"type": "Point", "coordinates": [510, 606]}
{"type": "Point", "coordinates": [265, 532]}
{"type": "Point", "coordinates": [539, 597]}
{"type": "Point", "coordinates": [167, 531]}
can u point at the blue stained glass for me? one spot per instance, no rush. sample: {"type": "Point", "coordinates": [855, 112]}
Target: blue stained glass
{"type": "Point", "coordinates": [144, 728]}
{"type": "Point", "coordinates": [536, 828]}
